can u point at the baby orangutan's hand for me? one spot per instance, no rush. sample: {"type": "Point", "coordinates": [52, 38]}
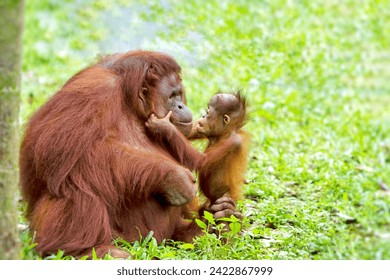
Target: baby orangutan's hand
{"type": "Point", "coordinates": [155, 124]}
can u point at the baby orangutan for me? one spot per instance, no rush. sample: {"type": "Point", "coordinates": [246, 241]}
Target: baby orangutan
{"type": "Point", "coordinates": [223, 169]}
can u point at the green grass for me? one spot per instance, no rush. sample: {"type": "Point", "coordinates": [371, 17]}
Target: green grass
{"type": "Point", "coordinates": [316, 75]}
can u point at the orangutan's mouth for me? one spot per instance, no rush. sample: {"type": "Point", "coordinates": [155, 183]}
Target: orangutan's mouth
{"type": "Point", "coordinates": [184, 127]}
{"type": "Point", "coordinates": [184, 123]}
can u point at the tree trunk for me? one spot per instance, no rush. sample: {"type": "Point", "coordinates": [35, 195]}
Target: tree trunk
{"type": "Point", "coordinates": [11, 26]}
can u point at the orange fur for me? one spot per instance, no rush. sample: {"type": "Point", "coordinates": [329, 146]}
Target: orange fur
{"type": "Point", "coordinates": [224, 168]}
{"type": "Point", "coordinates": [90, 172]}
{"type": "Point", "coordinates": [225, 164]}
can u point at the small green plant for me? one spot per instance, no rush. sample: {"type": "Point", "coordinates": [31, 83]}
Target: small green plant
{"type": "Point", "coordinates": [219, 225]}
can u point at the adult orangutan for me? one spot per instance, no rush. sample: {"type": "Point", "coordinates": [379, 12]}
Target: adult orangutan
{"type": "Point", "coordinates": [91, 171]}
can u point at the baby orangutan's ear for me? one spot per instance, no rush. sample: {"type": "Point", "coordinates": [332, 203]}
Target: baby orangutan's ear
{"type": "Point", "coordinates": [226, 119]}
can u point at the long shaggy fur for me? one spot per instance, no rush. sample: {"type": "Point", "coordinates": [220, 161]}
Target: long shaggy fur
{"type": "Point", "coordinates": [88, 169]}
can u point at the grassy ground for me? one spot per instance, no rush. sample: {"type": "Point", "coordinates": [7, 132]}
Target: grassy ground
{"type": "Point", "coordinates": [316, 74]}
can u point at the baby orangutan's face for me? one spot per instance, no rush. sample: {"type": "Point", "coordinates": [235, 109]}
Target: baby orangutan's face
{"type": "Point", "coordinates": [214, 123]}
